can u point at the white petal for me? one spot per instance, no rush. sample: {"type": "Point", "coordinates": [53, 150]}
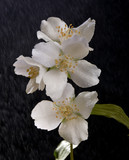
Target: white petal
{"type": "Point", "coordinates": [55, 83]}
{"type": "Point", "coordinates": [41, 35]}
{"type": "Point", "coordinates": [49, 27]}
{"type": "Point", "coordinates": [21, 66]}
{"type": "Point", "coordinates": [24, 63]}
{"type": "Point", "coordinates": [55, 21]}
{"type": "Point", "coordinates": [45, 53]}
{"type": "Point", "coordinates": [68, 93]}
{"type": "Point", "coordinates": [76, 47]}
{"type": "Point", "coordinates": [41, 85]}
{"type": "Point", "coordinates": [85, 74]}
{"type": "Point", "coordinates": [32, 86]}
{"type": "Point", "coordinates": [42, 72]}
{"type": "Point", "coordinates": [74, 131]}
{"type": "Point", "coordinates": [87, 29]}
{"type": "Point", "coordinates": [29, 61]}
{"type": "Point", "coordinates": [45, 116]}
{"type": "Point", "coordinates": [85, 102]}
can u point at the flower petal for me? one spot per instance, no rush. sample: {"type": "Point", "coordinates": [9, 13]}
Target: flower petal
{"type": "Point", "coordinates": [41, 85]}
{"type": "Point", "coordinates": [74, 131]}
{"type": "Point", "coordinates": [55, 83]}
{"type": "Point", "coordinates": [87, 29]}
{"type": "Point", "coordinates": [45, 53]}
{"type": "Point", "coordinates": [42, 72]}
{"type": "Point", "coordinates": [45, 116]}
{"type": "Point", "coordinates": [32, 86]}
{"type": "Point", "coordinates": [41, 35]}
{"type": "Point", "coordinates": [24, 63]}
{"type": "Point", "coordinates": [67, 93]}
{"type": "Point", "coordinates": [49, 27]}
{"type": "Point", "coordinates": [21, 67]}
{"type": "Point", "coordinates": [76, 46]}
{"type": "Point", "coordinates": [85, 102]}
{"type": "Point", "coordinates": [85, 74]}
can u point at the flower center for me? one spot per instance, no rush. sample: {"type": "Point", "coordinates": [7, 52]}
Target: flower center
{"type": "Point", "coordinates": [33, 72]}
{"type": "Point", "coordinates": [66, 63]}
{"type": "Point", "coordinates": [65, 110]}
{"type": "Point", "coordinates": [65, 33]}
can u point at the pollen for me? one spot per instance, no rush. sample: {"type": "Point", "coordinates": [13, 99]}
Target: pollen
{"type": "Point", "coordinates": [32, 72]}
{"type": "Point", "coordinates": [65, 63]}
{"type": "Point", "coordinates": [66, 32]}
{"type": "Point", "coordinates": [66, 110]}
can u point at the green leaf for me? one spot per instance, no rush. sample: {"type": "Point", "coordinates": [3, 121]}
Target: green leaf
{"type": "Point", "coordinates": [63, 150]}
{"type": "Point", "coordinates": [111, 111]}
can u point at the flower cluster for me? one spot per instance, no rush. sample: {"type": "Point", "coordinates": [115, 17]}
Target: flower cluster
{"type": "Point", "coordinates": [53, 61]}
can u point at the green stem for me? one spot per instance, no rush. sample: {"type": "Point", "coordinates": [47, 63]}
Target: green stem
{"type": "Point", "coordinates": [71, 152]}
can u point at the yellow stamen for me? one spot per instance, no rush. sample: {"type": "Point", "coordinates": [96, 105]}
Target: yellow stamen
{"type": "Point", "coordinates": [33, 72]}
{"type": "Point", "coordinates": [66, 32]}
{"type": "Point", "coordinates": [65, 63]}
{"type": "Point", "coordinates": [65, 110]}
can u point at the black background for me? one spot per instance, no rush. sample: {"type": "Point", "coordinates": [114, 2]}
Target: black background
{"type": "Point", "coordinates": [19, 21]}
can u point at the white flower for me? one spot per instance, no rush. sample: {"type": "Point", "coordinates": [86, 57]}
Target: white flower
{"type": "Point", "coordinates": [63, 62]}
{"type": "Point", "coordinates": [71, 112]}
{"type": "Point", "coordinates": [57, 30]}
{"type": "Point", "coordinates": [27, 67]}
{"type": "Point", "coordinates": [54, 80]}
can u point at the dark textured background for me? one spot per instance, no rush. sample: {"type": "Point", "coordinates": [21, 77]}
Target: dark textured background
{"type": "Point", "coordinates": [19, 21]}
